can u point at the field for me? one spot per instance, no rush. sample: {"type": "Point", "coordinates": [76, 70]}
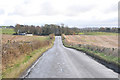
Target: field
{"type": "Point", "coordinates": [8, 31]}
{"type": "Point", "coordinates": [19, 52]}
{"type": "Point", "coordinates": [100, 33]}
{"type": "Point", "coordinates": [19, 38]}
{"type": "Point", "coordinates": [109, 41]}
{"type": "Point", "coordinates": [97, 33]}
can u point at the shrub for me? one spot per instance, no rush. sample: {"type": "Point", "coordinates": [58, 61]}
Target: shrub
{"type": "Point", "coordinates": [51, 36]}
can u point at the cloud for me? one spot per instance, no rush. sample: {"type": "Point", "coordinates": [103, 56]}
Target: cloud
{"type": "Point", "coordinates": [25, 10]}
{"type": "Point", "coordinates": [75, 10]}
{"type": "Point", "coordinates": [47, 9]}
{"type": "Point", "coordinates": [94, 23]}
{"type": "Point", "coordinates": [29, 9]}
{"type": "Point", "coordinates": [70, 12]}
{"type": "Point", "coordinates": [112, 8]}
{"type": "Point", "coordinates": [1, 11]}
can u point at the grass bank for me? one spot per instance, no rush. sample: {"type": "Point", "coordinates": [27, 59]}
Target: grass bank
{"type": "Point", "coordinates": [109, 61]}
{"type": "Point", "coordinates": [25, 61]}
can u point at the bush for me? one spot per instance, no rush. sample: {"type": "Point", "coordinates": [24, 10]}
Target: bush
{"type": "Point", "coordinates": [51, 36]}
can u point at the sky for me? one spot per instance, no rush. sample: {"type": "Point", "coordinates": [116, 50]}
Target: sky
{"type": "Point", "coordinates": [73, 13]}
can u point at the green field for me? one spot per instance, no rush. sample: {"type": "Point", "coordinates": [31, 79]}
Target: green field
{"type": "Point", "coordinates": [8, 31]}
{"type": "Point", "coordinates": [80, 33]}
{"type": "Point", "coordinates": [97, 33]}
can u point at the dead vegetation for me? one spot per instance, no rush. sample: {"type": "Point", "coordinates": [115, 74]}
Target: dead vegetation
{"type": "Point", "coordinates": [14, 47]}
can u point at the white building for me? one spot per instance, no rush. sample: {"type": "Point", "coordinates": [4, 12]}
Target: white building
{"type": "Point", "coordinates": [29, 34]}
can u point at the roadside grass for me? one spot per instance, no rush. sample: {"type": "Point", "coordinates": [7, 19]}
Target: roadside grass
{"type": "Point", "coordinates": [8, 31]}
{"type": "Point", "coordinates": [108, 59]}
{"type": "Point", "coordinates": [23, 62]}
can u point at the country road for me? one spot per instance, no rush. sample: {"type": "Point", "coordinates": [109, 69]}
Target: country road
{"type": "Point", "coordinates": [62, 62]}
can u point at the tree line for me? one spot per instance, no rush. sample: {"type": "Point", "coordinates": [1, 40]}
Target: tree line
{"type": "Point", "coordinates": [59, 29]}
{"type": "Point", "coordinates": [46, 29]}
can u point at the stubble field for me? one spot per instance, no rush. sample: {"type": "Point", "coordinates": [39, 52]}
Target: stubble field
{"type": "Point", "coordinates": [108, 41]}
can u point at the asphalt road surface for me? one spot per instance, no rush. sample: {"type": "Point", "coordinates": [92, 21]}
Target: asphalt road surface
{"type": "Point", "coordinates": [62, 62]}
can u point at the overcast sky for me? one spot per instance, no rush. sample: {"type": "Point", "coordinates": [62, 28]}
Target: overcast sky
{"type": "Point", "coordinates": [78, 13]}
